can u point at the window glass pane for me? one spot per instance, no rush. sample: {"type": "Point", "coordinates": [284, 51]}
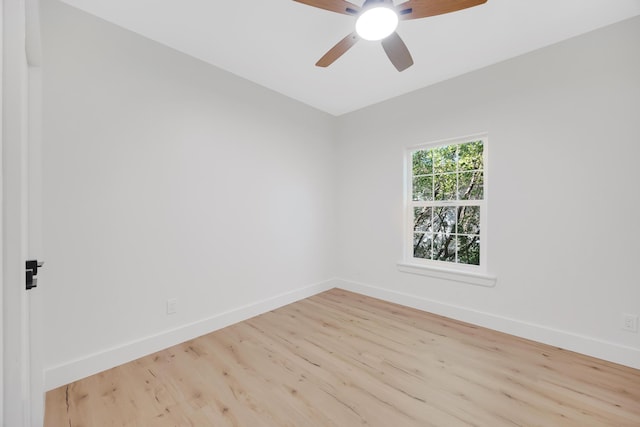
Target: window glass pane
{"type": "Point", "coordinates": [422, 219]}
{"type": "Point", "coordinates": [444, 247]}
{"type": "Point", "coordinates": [445, 186]}
{"type": "Point", "coordinates": [469, 219]}
{"type": "Point", "coordinates": [444, 158]}
{"type": "Point", "coordinates": [469, 250]}
{"type": "Point", "coordinates": [444, 219]}
{"type": "Point", "coordinates": [422, 163]}
{"type": "Point", "coordinates": [470, 156]}
{"type": "Point", "coordinates": [471, 186]}
{"type": "Point", "coordinates": [422, 245]}
{"type": "Point", "coordinates": [423, 188]}
{"type": "Point", "coordinates": [444, 179]}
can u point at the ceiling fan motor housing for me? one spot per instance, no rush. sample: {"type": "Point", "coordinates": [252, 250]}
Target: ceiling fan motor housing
{"type": "Point", "coordinates": [373, 3]}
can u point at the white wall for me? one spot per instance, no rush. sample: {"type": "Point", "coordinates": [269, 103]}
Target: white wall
{"type": "Point", "coordinates": [168, 178]}
{"type": "Point", "coordinates": [563, 125]}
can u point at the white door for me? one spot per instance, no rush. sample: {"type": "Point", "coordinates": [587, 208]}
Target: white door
{"type": "Point", "coordinates": [22, 394]}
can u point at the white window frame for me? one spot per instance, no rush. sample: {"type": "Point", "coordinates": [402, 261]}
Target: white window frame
{"type": "Point", "coordinates": [474, 274]}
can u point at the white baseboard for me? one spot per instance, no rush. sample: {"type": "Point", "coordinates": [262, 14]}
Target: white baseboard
{"type": "Point", "coordinates": [92, 364]}
{"type": "Point", "coordinates": [589, 346]}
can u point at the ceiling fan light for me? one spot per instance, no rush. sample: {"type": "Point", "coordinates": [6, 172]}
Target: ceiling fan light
{"type": "Point", "coordinates": [377, 23]}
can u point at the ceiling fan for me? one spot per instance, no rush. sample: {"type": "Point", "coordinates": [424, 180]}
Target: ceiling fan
{"type": "Point", "coordinates": [378, 20]}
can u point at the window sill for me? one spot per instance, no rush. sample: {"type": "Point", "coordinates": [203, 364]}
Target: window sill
{"type": "Point", "coordinates": [442, 273]}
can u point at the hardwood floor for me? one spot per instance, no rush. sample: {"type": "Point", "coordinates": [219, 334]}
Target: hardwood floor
{"type": "Point", "coordinates": [342, 359]}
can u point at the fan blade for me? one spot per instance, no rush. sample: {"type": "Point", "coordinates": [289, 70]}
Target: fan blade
{"type": "Point", "coordinates": [414, 9]}
{"type": "Point", "coordinates": [338, 50]}
{"type": "Point", "coordinates": [397, 52]}
{"type": "Point", "coordinates": [338, 6]}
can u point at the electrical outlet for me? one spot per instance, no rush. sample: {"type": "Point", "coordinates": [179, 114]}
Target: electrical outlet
{"type": "Point", "coordinates": [172, 306]}
{"type": "Point", "coordinates": [630, 322]}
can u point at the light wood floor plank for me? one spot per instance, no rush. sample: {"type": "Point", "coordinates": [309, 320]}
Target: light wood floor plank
{"type": "Point", "coordinates": [342, 359]}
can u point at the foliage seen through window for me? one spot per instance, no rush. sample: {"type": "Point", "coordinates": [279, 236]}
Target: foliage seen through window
{"type": "Point", "coordinates": [446, 198]}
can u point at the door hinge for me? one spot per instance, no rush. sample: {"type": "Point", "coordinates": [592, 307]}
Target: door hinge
{"type": "Point", "coordinates": [32, 271]}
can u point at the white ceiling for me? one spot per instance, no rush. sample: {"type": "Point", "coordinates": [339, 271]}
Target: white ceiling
{"type": "Point", "coordinates": [276, 43]}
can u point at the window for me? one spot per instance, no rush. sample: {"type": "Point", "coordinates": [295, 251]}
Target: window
{"type": "Point", "coordinates": [446, 204]}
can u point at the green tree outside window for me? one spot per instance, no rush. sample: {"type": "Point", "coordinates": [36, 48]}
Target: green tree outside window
{"type": "Point", "coordinates": [447, 194]}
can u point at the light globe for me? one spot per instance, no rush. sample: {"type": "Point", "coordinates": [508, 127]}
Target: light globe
{"type": "Point", "coordinates": [377, 23]}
